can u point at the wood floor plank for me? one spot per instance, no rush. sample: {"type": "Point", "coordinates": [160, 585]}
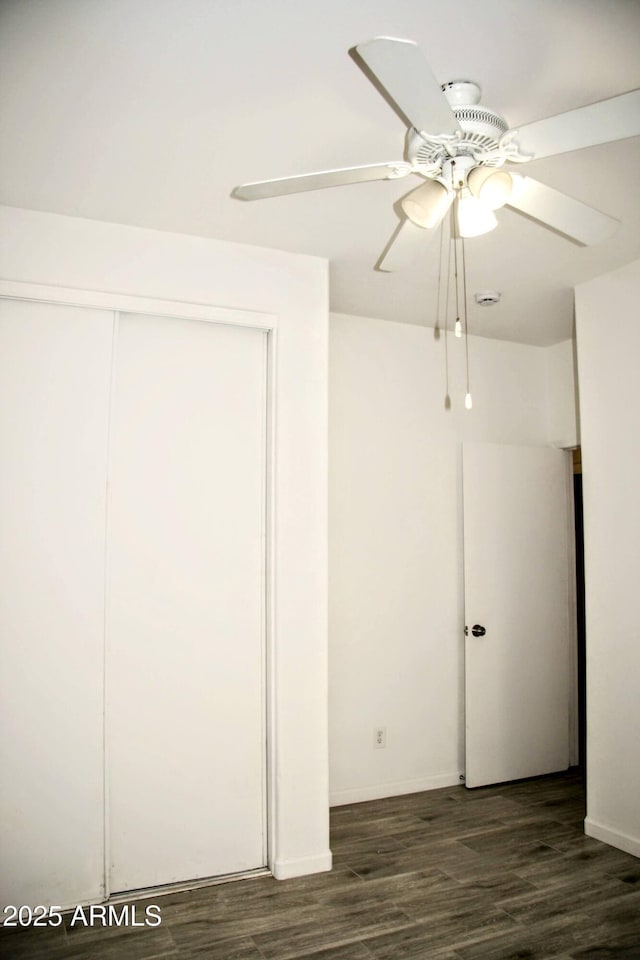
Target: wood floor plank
{"type": "Point", "coordinates": [350, 926]}
{"type": "Point", "coordinates": [611, 924]}
{"type": "Point", "coordinates": [622, 949]}
{"type": "Point", "coordinates": [32, 944]}
{"type": "Point", "coordinates": [346, 845]}
{"type": "Point", "coordinates": [544, 941]}
{"type": "Point", "coordinates": [500, 885]}
{"type": "Point", "coordinates": [141, 944]}
{"type": "Point", "coordinates": [241, 948]}
{"type": "Point", "coordinates": [443, 933]}
{"type": "Point", "coordinates": [348, 951]}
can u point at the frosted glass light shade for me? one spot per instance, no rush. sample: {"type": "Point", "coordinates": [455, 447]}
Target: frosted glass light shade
{"type": "Point", "coordinates": [474, 218]}
{"type": "Point", "coordinates": [493, 187]}
{"type": "Point", "coordinates": [427, 205]}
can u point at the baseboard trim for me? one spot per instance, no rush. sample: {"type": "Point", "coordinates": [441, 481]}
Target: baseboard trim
{"type": "Point", "coordinates": [286, 869]}
{"type": "Point", "coordinates": [379, 791]}
{"type": "Point", "coordinates": [613, 837]}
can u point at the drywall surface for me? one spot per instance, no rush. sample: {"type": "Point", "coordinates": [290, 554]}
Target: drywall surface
{"type": "Point", "coordinates": [562, 393]}
{"type": "Point", "coordinates": [91, 255]}
{"type": "Point", "coordinates": [395, 519]}
{"type": "Point", "coordinates": [610, 419]}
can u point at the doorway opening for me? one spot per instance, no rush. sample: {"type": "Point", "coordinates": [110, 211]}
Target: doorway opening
{"type": "Point", "coordinates": [580, 608]}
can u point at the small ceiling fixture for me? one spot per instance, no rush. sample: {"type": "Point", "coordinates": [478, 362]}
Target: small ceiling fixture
{"type": "Point", "coordinates": [487, 298]}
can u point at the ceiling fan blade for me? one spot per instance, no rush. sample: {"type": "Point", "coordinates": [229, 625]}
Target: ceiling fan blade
{"type": "Point", "coordinates": [404, 245]}
{"type": "Point", "coordinates": [325, 178]}
{"type": "Point", "coordinates": [398, 68]}
{"type": "Point", "coordinates": [571, 217]}
{"type": "Point", "coordinates": [602, 122]}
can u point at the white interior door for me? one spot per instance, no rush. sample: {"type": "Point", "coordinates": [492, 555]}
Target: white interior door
{"type": "Point", "coordinates": [516, 570]}
{"type": "Point", "coordinates": [55, 366]}
{"type": "Point", "coordinates": [185, 685]}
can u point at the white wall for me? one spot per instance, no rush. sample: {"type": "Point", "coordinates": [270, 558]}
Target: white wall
{"type": "Point", "coordinates": [68, 252]}
{"type": "Point", "coordinates": [562, 393]}
{"type": "Point", "coordinates": [608, 339]}
{"type": "Point", "coordinates": [395, 585]}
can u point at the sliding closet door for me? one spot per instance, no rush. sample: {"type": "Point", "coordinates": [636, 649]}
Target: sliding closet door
{"type": "Point", "coordinates": [55, 364]}
{"type": "Point", "coordinates": [185, 681]}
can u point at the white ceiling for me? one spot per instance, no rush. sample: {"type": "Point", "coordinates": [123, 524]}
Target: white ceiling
{"type": "Point", "coordinates": [149, 112]}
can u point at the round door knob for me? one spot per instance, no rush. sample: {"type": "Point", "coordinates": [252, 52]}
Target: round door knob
{"type": "Point", "coordinates": [477, 630]}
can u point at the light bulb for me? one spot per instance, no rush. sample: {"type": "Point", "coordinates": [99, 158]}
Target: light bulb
{"type": "Point", "coordinates": [474, 218]}
{"type": "Point", "coordinates": [458, 328]}
{"type": "Point", "coordinates": [468, 402]}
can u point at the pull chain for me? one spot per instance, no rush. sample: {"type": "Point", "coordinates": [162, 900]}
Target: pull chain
{"type": "Point", "coordinates": [458, 325]}
{"type": "Point", "coordinates": [468, 402]}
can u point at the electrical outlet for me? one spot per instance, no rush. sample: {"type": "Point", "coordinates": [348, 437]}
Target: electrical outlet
{"type": "Point", "coordinates": [380, 738]}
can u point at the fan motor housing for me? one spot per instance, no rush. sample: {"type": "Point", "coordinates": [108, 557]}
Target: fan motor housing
{"type": "Point", "coordinates": [479, 121]}
{"type": "Point", "coordinates": [463, 97]}
{"type": "Point", "coordinates": [481, 127]}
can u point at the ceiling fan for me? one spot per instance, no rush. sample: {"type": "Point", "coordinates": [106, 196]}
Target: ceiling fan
{"type": "Point", "coordinates": [459, 148]}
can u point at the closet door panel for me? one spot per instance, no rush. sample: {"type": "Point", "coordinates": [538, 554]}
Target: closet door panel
{"type": "Point", "coordinates": [185, 688]}
{"type": "Point", "coordinates": [55, 366]}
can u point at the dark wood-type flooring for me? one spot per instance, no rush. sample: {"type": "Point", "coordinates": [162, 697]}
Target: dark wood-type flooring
{"type": "Point", "coordinates": [498, 873]}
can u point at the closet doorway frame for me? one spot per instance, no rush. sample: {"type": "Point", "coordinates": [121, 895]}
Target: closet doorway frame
{"type": "Point", "coordinates": [266, 322]}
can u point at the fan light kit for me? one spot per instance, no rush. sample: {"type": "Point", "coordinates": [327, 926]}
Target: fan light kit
{"type": "Point", "coordinates": [459, 148]}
